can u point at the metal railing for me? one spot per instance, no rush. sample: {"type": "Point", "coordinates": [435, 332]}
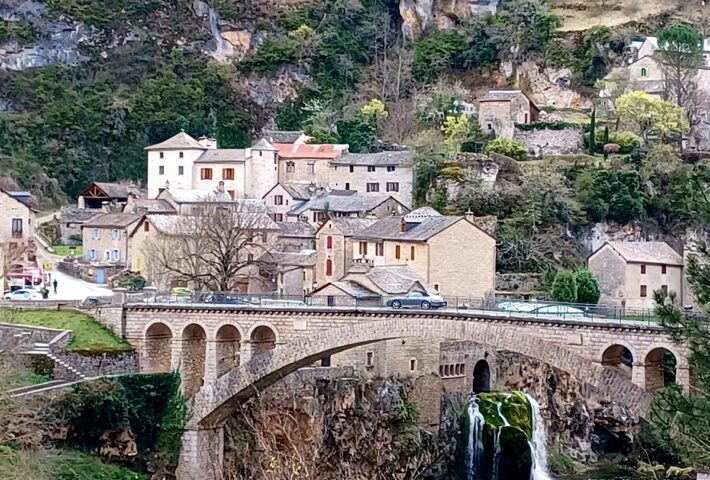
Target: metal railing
{"type": "Point", "coordinates": [503, 308]}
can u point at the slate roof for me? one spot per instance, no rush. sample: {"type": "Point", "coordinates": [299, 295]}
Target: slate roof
{"type": "Point", "coordinates": [282, 136]}
{"type": "Point", "coordinates": [420, 214]}
{"type": "Point", "coordinates": [354, 289]}
{"type": "Point", "coordinates": [390, 228]}
{"type": "Point", "coordinates": [181, 141]}
{"type": "Point", "coordinates": [145, 205]}
{"type": "Point", "coordinates": [647, 252]}
{"type": "Point", "coordinates": [296, 229]}
{"type": "Point", "coordinates": [299, 191]}
{"type": "Point", "coordinates": [108, 220]}
{"type": "Point", "coordinates": [352, 225]}
{"type": "Point", "coordinates": [290, 151]}
{"type": "Point", "coordinates": [185, 195]}
{"type": "Point", "coordinates": [178, 224]}
{"type": "Point", "coordinates": [223, 155]}
{"type": "Point", "coordinates": [78, 215]}
{"type": "Point", "coordinates": [380, 159]}
{"type": "Point", "coordinates": [289, 259]}
{"type": "Point", "coordinates": [336, 202]}
{"type": "Point", "coordinates": [264, 145]}
{"type": "Point", "coordinates": [500, 95]}
{"type": "Point", "coordinates": [395, 279]}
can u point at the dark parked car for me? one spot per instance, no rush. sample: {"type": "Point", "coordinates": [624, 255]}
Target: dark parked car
{"type": "Point", "coordinates": [222, 299]}
{"type": "Point", "coordinates": [417, 300]}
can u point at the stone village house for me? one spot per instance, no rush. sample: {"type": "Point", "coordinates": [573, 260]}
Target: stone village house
{"type": "Point", "coordinates": [345, 204]}
{"type": "Point", "coordinates": [106, 238]}
{"type": "Point", "coordinates": [17, 228]}
{"type": "Point", "coordinates": [500, 110]}
{"type": "Point", "coordinates": [453, 255]}
{"type": "Point", "coordinates": [629, 272]}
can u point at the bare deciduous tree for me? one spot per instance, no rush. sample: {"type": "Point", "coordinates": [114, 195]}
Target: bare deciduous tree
{"type": "Point", "coordinates": [213, 249]}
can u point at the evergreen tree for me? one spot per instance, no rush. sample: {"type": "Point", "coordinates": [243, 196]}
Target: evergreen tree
{"type": "Point", "coordinates": [593, 133]}
{"type": "Point", "coordinates": [682, 420]}
{"type": "Point", "coordinates": [606, 141]}
{"type": "Point", "coordinates": [587, 287]}
{"type": "Point", "coordinates": [564, 287]}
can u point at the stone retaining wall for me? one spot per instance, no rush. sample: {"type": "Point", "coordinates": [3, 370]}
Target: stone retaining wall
{"type": "Point", "coordinates": [97, 365]}
{"type": "Point", "coordinates": [551, 142]}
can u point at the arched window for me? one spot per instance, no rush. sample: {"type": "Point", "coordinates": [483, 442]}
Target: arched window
{"type": "Point", "coordinates": [644, 72]}
{"type": "Point", "coordinates": [329, 241]}
{"type": "Point", "coordinates": [329, 267]}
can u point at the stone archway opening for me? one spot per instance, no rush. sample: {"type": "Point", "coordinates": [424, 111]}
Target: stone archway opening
{"type": "Point", "coordinates": [481, 377]}
{"type": "Point", "coordinates": [227, 344]}
{"type": "Point", "coordinates": [263, 339]}
{"type": "Point", "coordinates": [660, 369]}
{"type": "Point", "coordinates": [620, 359]}
{"type": "Point", "coordinates": [158, 348]}
{"type": "Point", "coordinates": [192, 364]}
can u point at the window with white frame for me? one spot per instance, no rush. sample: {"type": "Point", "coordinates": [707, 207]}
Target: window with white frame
{"type": "Point", "coordinates": [92, 254]}
{"type": "Point", "coordinates": [115, 255]}
{"type": "Point", "coordinates": [107, 255]}
{"type": "Point", "coordinates": [115, 235]}
{"type": "Point", "coordinates": [97, 234]}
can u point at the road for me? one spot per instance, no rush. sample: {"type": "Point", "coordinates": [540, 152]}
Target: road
{"type": "Point", "coordinates": [68, 287]}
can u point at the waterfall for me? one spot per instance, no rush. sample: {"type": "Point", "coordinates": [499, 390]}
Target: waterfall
{"type": "Point", "coordinates": [497, 450]}
{"type": "Point", "coordinates": [475, 450]}
{"type": "Point", "coordinates": [538, 444]}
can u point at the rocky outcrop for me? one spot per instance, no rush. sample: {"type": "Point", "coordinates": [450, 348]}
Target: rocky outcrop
{"type": "Point", "coordinates": [418, 15]}
{"type": "Point", "coordinates": [579, 422]}
{"type": "Point", "coordinates": [544, 141]}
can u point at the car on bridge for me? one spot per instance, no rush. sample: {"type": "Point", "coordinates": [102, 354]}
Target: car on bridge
{"type": "Point", "coordinates": [424, 300]}
{"type": "Point", "coordinates": [222, 299]}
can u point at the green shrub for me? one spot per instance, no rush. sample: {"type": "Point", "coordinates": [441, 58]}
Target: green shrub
{"type": "Point", "coordinates": [271, 55]}
{"type": "Point", "coordinates": [509, 148]}
{"type": "Point", "coordinates": [627, 141]}
{"type": "Point", "coordinates": [437, 52]}
{"type": "Point", "coordinates": [564, 287]}
{"type": "Point", "coordinates": [360, 133]}
{"type": "Point", "coordinates": [540, 125]}
{"type": "Point", "coordinates": [134, 283]}
{"type": "Point", "coordinates": [587, 287]}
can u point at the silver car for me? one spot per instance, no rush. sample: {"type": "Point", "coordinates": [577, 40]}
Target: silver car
{"type": "Point", "coordinates": [422, 300]}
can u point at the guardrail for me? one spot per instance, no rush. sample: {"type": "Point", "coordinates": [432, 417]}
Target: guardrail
{"type": "Point", "coordinates": [503, 308]}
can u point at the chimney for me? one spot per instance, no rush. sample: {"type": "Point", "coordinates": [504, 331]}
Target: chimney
{"type": "Point", "coordinates": [105, 207]}
{"type": "Point", "coordinates": [207, 142]}
{"type": "Point", "coordinates": [469, 216]}
{"type": "Point", "coordinates": [402, 225]}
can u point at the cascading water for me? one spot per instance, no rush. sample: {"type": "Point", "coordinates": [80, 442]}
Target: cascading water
{"type": "Point", "coordinates": [475, 450]}
{"type": "Point", "coordinates": [538, 444]}
{"type": "Point", "coordinates": [497, 448]}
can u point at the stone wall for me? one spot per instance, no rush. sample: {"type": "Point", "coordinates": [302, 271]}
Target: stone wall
{"type": "Point", "coordinates": [26, 335]}
{"type": "Point", "coordinates": [86, 271]}
{"type": "Point", "coordinates": [97, 365]}
{"type": "Point", "coordinates": [551, 142]}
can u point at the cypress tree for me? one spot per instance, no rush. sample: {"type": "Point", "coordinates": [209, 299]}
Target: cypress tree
{"type": "Point", "coordinates": [593, 132]}
{"type": "Point", "coordinates": [606, 141]}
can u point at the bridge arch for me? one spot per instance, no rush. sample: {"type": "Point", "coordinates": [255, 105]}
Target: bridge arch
{"type": "Point", "coordinates": [228, 340]}
{"type": "Point", "coordinates": [262, 338]}
{"type": "Point", "coordinates": [192, 357]}
{"type": "Point", "coordinates": [157, 348]}
{"type": "Point", "coordinates": [481, 377]}
{"type": "Point", "coordinates": [618, 357]}
{"type": "Point", "coordinates": [217, 400]}
{"type": "Point", "coordinates": [661, 365]}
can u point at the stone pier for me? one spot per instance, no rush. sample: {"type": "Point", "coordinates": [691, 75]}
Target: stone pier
{"type": "Point", "coordinates": [202, 455]}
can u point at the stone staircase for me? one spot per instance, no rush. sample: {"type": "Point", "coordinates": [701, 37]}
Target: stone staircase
{"type": "Point", "coordinates": [62, 369]}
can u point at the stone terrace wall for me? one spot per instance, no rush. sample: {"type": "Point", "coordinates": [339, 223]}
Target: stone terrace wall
{"type": "Point", "coordinates": [97, 365]}
{"type": "Point", "coordinates": [551, 142]}
{"type": "Point", "coordinates": [28, 335]}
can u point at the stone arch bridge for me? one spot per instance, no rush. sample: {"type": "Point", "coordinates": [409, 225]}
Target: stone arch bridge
{"type": "Point", "coordinates": [227, 354]}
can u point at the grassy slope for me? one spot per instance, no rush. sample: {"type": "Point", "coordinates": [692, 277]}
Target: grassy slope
{"type": "Point", "coordinates": [89, 335]}
{"type": "Point", "coordinates": [580, 15]}
{"type": "Point", "coordinates": [60, 465]}
{"type": "Point", "coordinates": [65, 250]}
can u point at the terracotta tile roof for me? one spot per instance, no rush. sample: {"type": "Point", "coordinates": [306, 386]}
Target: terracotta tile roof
{"type": "Point", "coordinates": [306, 151]}
{"type": "Point", "coordinates": [647, 252]}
